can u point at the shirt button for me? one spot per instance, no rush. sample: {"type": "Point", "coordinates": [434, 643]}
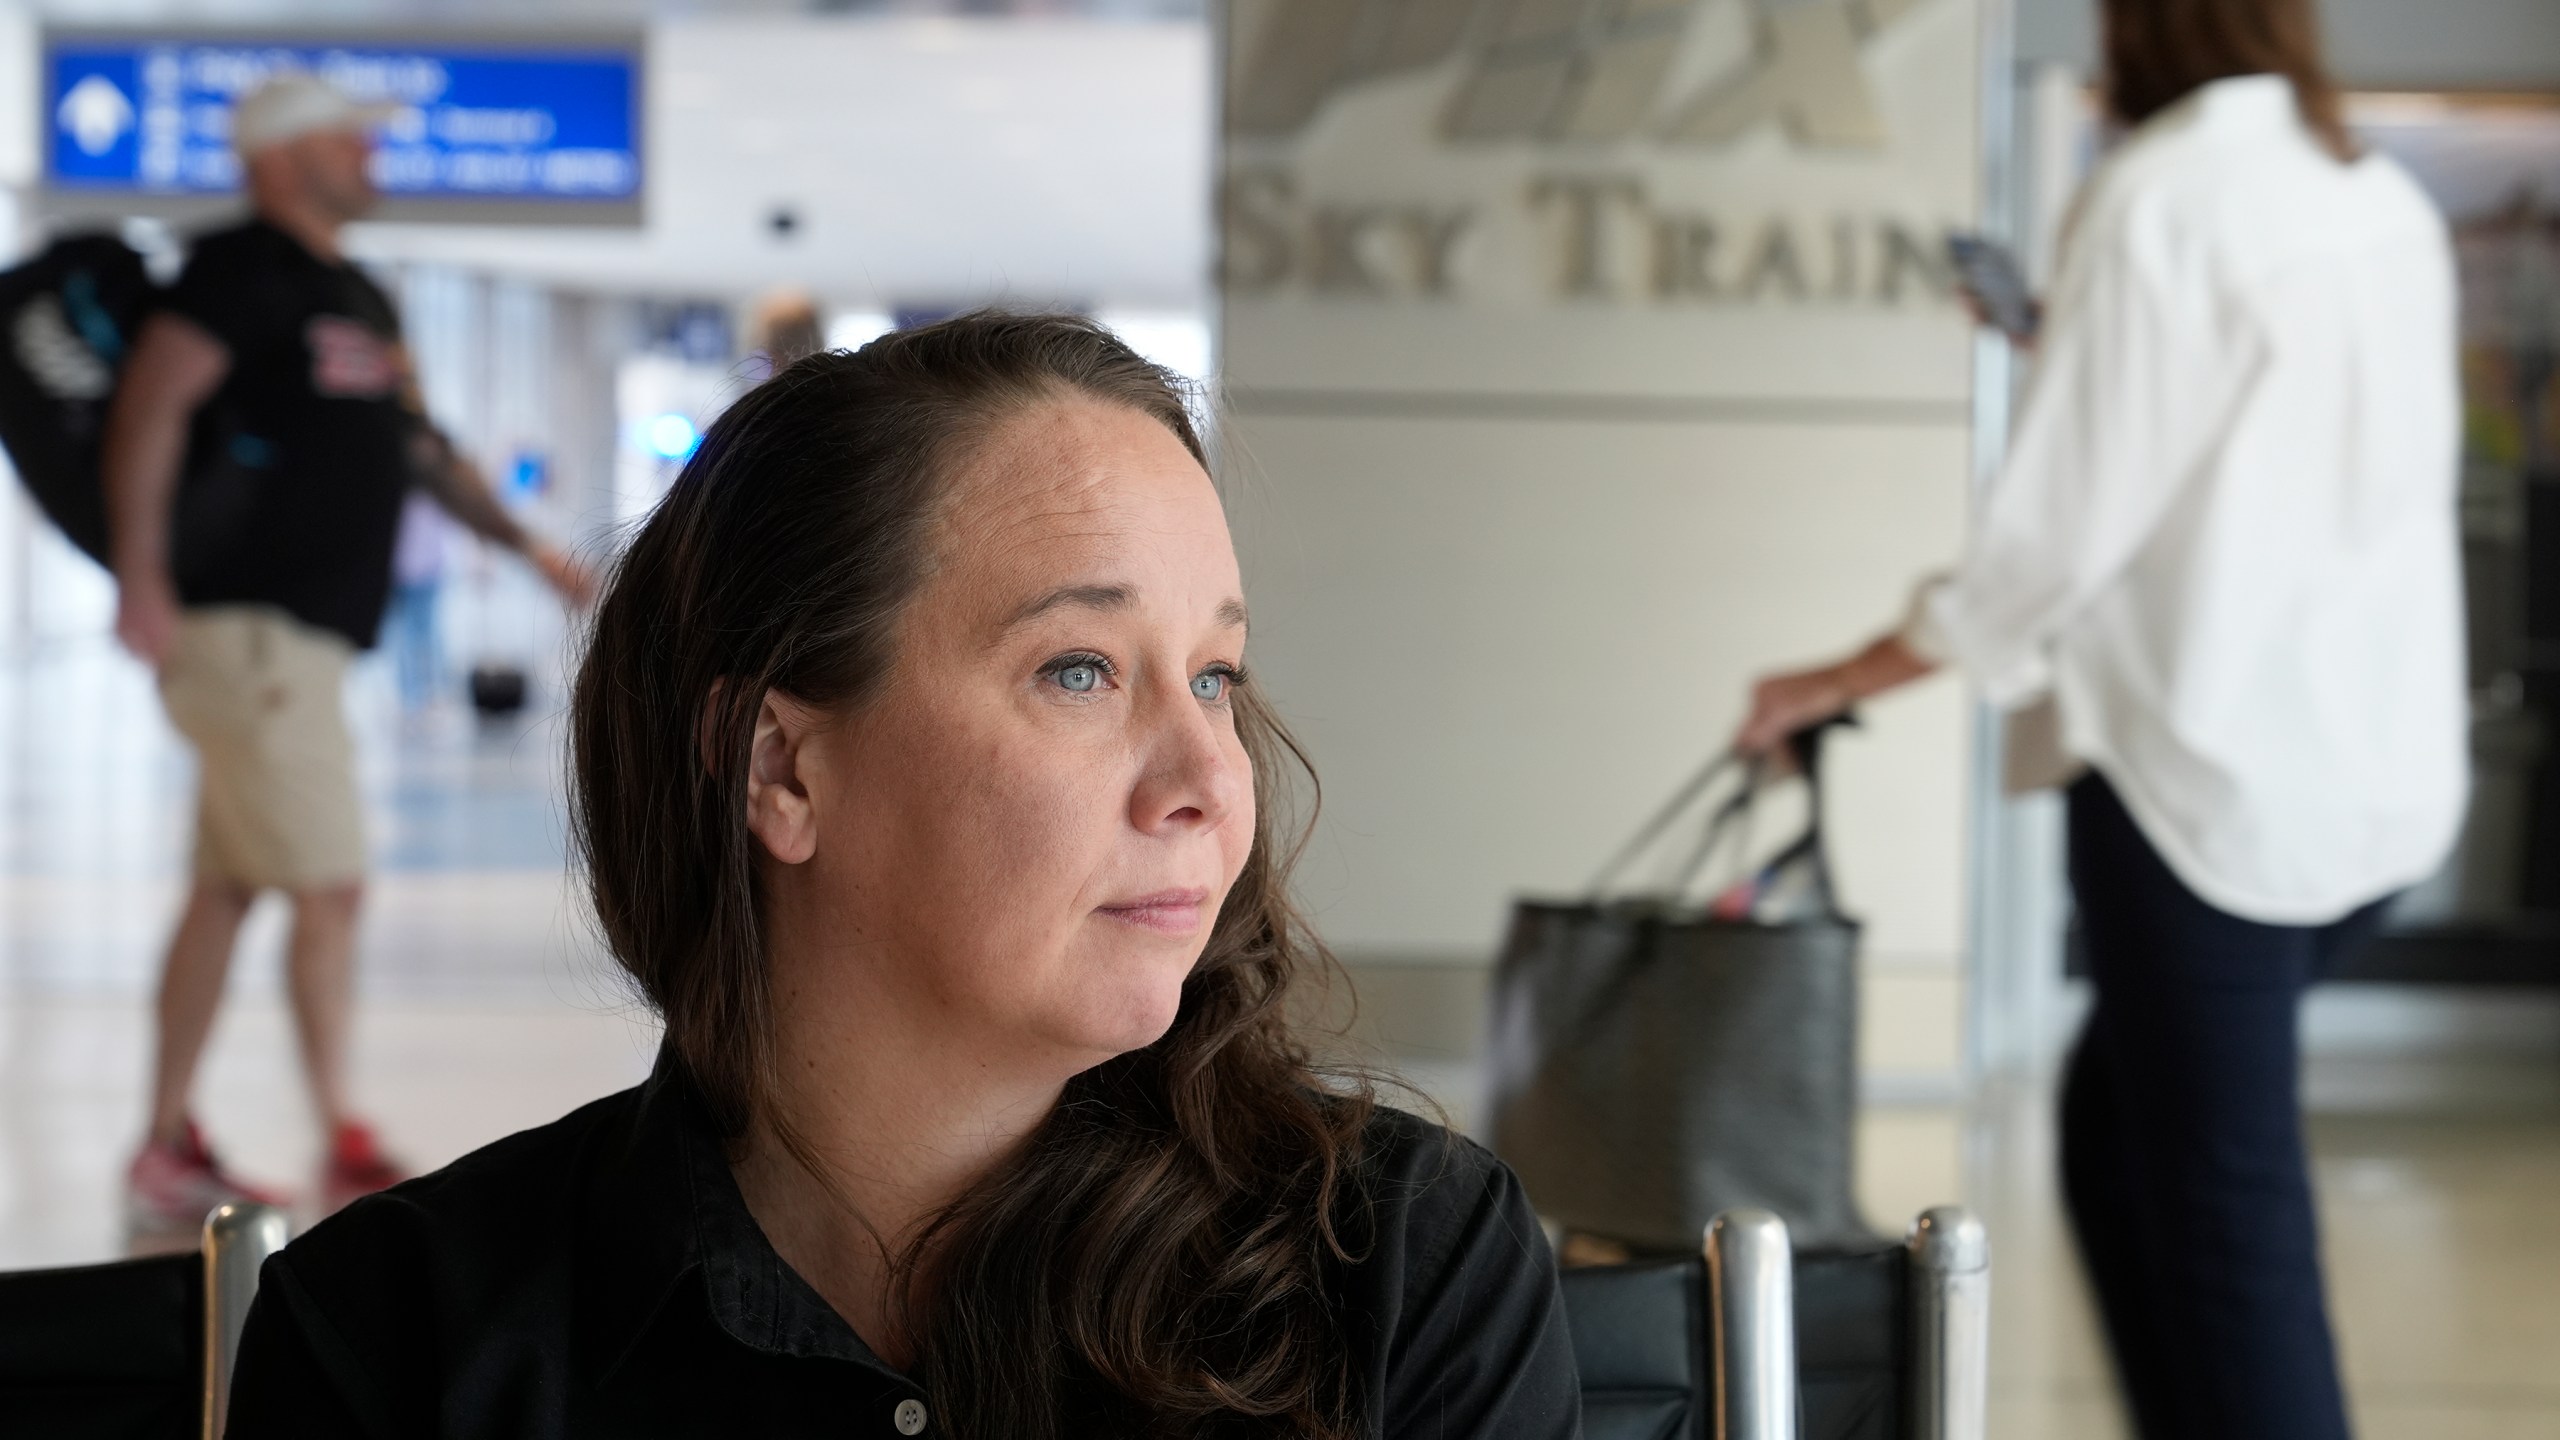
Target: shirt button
{"type": "Point", "coordinates": [909, 1417]}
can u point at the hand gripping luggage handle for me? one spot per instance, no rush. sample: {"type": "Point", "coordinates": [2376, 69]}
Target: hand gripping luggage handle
{"type": "Point", "coordinates": [1807, 849]}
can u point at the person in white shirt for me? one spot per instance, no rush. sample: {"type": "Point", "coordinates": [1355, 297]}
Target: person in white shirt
{"type": "Point", "coordinates": [2223, 548]}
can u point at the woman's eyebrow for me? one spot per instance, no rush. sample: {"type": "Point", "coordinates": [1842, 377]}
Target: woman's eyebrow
{"type": "Point", "coordinates": [1087, 597]}
{"type": "Point", "coordinates": [1230, 613]}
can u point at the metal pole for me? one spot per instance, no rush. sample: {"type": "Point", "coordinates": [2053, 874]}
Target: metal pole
{"type": "Point", "coordinates": [1950, 1324]}
{"type": "Point", "coordinates": [238, 1238]}
{"type": "Point", "coordinates": [1751, 1285]}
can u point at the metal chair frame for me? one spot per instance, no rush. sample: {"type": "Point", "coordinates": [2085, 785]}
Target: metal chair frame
{"type": "Point", "coordinates": [1752, 1334]}
{"type": "Point", "coordinates": [238, 1238]}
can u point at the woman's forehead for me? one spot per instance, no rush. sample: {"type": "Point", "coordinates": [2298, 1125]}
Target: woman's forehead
{"type": "Point", "coordinates": [1074, 483]}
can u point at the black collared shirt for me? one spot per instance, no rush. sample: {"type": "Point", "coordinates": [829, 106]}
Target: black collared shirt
{"type": "Point", "coordinates": [602, 1276]}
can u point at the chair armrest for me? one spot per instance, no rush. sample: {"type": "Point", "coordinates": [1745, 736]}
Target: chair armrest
{"type": "Point", "coordinates": [1751, 1314]}
{"type": "Point", "coordinates": [238, 1238]}
{"type": "Point", "coordinates": [1950, 1327]}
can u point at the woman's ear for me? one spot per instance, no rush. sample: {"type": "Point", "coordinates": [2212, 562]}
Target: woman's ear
{"type": "Point", "coordinates": [779, 811]}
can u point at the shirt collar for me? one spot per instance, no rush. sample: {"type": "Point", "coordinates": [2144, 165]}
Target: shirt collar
{"type": "Point", "coordinates": [665, 1209]}
{"type": "Point", "coordinates": [2251, 102]}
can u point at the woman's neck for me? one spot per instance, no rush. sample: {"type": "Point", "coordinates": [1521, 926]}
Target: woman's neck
{"type": "Point", "coordinates": [891, 1122]}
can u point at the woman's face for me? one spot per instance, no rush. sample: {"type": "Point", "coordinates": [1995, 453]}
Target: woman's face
{"type": "Point", "coordinates": [1021, 838]}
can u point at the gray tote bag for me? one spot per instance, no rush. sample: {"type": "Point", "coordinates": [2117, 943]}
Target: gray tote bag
{"type": "Point", "coordinates": [1653, 1063]}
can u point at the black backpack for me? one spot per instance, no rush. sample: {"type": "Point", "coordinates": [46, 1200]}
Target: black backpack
{"type": "Point", "coordinates": [67, 319]}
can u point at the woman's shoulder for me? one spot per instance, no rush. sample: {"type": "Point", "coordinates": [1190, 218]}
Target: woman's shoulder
{"type": "Point", "coordinates": [1453, 1282]}
{"type": "Point", "coordinates": [507, 1173]}
{"type": "Point", "coordinates": [358, 1322]}
{"type": "Point", "coordinates": [1435, 1201]}
{"type": "Point", "coordinates": [498, 1216]}
{"type": "Point", "coordinates": [1415, 1150]}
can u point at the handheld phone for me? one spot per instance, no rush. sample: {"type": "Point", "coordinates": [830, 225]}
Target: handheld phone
{"type": "Point", "coordinates": [1990, 274]}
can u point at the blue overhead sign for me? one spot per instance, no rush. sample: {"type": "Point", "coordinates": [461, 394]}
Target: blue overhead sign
{"type": "Point", "coordinates": [476, 129]}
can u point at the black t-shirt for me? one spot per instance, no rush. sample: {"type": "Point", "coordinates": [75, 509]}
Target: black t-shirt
{"type": "Point", "coordinates": [603, 1276]}
{"type": "Point", "coordinates": [298, 464]}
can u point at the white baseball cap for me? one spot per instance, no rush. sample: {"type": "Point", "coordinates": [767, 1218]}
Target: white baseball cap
{"type": "Point", "coordinates": [293, 103]}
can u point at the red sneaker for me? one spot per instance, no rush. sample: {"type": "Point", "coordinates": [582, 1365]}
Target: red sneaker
{"type": "Point", "coordinates": [173, 1184]}
{"type": "Point", "coordinates": [356, 1167]}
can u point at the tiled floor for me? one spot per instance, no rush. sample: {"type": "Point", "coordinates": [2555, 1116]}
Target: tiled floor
{"type": "Point", "coordinates": [487, 1008]}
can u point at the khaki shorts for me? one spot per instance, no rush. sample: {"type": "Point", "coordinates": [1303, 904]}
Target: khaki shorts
{"type": "Point", "coordinates": [257, 693]}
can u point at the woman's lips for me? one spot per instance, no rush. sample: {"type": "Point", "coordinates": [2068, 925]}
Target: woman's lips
{"type": "Point", "coordinates": [1167, 912]}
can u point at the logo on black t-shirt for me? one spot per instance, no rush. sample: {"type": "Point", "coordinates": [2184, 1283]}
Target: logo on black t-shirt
{"type": "Point", "coordinates": [349, 361]}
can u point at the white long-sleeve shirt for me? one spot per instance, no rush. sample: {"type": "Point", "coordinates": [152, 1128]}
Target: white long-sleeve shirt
{"type": "Point", "coordinates": [2224, 538]}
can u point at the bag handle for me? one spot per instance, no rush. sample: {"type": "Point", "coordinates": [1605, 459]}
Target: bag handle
{"type": "Point", "coordinates": [1672, 809]}
{"type": "Point", "coordinates": [1732, 818]}
{"type": "Point", "coordinates": [1808, 849]}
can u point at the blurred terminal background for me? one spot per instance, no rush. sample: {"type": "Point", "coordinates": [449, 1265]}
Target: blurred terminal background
{"type": "Point", "coordinates": [1546, 422]}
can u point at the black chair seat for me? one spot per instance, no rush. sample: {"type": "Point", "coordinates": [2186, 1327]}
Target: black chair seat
{"type": "Point", "coordinates": [1851, 1337]}
{"type": "Point", "coordinates": [98, 1351]}
{"type": "Point", "coordinates": [1640, 1335]}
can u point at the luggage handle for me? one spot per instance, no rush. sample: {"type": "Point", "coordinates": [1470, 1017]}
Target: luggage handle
{"type": "Point", "coordinates": [1672, 809]}
{"type": "Point", "coordinates": [1807, 850]}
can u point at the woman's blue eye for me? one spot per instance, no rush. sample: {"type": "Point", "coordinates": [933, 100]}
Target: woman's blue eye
{"type": "Point", "coordinates": [1080, 678]}
{"type": "Point", "coordinates": [1209, 685]}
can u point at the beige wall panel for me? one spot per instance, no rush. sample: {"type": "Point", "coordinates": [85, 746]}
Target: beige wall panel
{"type": "Point", "coordinates": [1917, 364]}
{"type": "Point", "coordinates": [1910, 1024]}
{"type": "Point", "coordinates": [1504, 641]}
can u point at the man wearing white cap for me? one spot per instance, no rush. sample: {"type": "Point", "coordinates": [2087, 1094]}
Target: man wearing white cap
{"type": "Point", "coordinates": [275, 379]}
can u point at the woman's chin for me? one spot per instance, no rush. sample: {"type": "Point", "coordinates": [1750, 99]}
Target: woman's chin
{"type": "Point", "coordinates": [1104, 1025]}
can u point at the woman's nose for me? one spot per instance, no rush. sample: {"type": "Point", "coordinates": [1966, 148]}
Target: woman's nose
{"type": "Point", "coordinates": [1189, 780]}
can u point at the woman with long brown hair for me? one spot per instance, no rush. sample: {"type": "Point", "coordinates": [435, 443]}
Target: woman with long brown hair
{"type": "Point", "coordinates": [923, 794]}
{"type": "Point", "coordinates": [2222, 547]}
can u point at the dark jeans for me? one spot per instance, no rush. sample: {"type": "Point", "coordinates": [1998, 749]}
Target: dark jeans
{"type": "Point", "coordinates": [2182, 1147]}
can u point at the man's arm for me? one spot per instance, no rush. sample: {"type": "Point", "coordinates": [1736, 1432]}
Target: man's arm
{"type": "Point", "coordinates": [456, 484]}
{"type": "Point", "coordinates": [458, 487]}
{"type": "Point", "coordinates": [176, 366]}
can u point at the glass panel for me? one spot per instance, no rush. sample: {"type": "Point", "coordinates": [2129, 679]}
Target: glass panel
{"type": "Point", "coordinates": [2493, 164]}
